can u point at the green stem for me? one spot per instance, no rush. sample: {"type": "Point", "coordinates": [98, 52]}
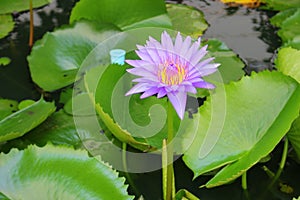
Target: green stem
{"type": "Point", "coordinates": [124, 148]}
{"type": "Point", "coordinates": [168, 174]}
{"type": "Point", "coordinates": [164, 168]}
{"type": "Point", "coordinates": [275, 177]}
{"type": "Point", "coordinates": [244, 186]}
{"type": "Point", "coordinates": [282, 162]}
{"type": "Point", "coordinates": [244, 180]}
{"type": "Point", "coordinates": [284, 153]}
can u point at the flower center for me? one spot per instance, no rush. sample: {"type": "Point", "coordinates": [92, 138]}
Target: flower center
{"type": "Point", "coordinates": [171, 73]}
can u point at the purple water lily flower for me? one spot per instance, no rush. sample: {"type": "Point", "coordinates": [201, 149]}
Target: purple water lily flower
{"type": "Point", "coordinates": [171, 69]}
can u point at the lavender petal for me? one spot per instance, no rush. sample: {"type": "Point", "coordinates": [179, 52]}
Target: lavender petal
{"type": "Point", "coordinates": [140, 87]}
{"type": "Point", "coordinates": [178, 100]}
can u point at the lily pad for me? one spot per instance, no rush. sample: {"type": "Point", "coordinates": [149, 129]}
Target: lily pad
{"type": "Point", "coordinates": [294, 43]}
{"type": "Point", "coordinates": [3, 197]}
{"type": "Point", "coordinates": [138, 122]}
{"type": "Point", "coordinates": [56, 59]}
{"type": "Point", "coordinates": [280, 17]}
{"type": "Point", "coordinates": [91, 79]}
{"type": "Point", "coordinates": [288, 62]}
{"type": "Point", "coordinates": [57, 129]}
{"type": "Point", "coordinates": [7, 6]}
{"type": "Point", "coordinates": [281, 5]}
{"type": "Point", "coordinates": [243, 126]}
{"type": "Point", "coordinates": [58, 173]}
{"type": "Point", "coordinates": [187, 20]}
{"type": "Point", "coordinates": [125, 14]}
{"type": "Point", "coordinates": [63, 129]}
{"type": "Point", "coordinates": [6, 25]}
{"type": "Point", "coordinates": [288, 21]}
{"type": "Point", "coordinates": [26, 119]}
{"type": "Point", "coordinates": [25, 103]}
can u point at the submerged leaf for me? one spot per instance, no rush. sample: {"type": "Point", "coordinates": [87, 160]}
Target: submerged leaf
{"type": "Point", "coordinates": [240, 126]}
{"type": "Point", "coordinates": [58, 173]}
{"type": "Point", "coordinates": [231, 68]}
{"type": "Point", "coordinates": [187, 20]}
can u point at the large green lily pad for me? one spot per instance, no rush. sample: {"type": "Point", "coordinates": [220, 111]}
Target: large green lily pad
{"type": "Point", "coordinates": [22, 121]}
{"type": "Point", "coordinates": [138, 122]}
{"type": "Point", "coordinates": [288, 62]}
{"type": "Point", "coordinates": [58, 173]}
{"type": "Point", "coordinates": [125, 14]}
{"type": "Point", "coordinates": [56, 59]}
{"type": "Point", "coordinates": [102, 97]}
{"type": "Point", "coordinates": [243, 127]}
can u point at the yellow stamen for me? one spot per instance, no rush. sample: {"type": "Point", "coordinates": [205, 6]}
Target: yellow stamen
{"type": "Point", "coordinates": [171, 73]}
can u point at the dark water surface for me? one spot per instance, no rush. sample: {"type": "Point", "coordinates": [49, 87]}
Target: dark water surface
{"type": "Point", "coordinates": [246, 31]}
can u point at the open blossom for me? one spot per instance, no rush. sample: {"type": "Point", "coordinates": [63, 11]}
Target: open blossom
{"type": "Point", "coordinates": [172, 69]}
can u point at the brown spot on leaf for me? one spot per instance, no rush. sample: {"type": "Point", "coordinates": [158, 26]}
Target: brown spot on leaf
{"type": "Point", "coordinates": [30, 112]}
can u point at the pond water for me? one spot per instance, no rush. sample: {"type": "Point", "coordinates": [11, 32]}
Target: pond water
{"type": "Point", "coordinates": [246, 31]}
{"type": "Point", "coordinates": [15, 82]}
